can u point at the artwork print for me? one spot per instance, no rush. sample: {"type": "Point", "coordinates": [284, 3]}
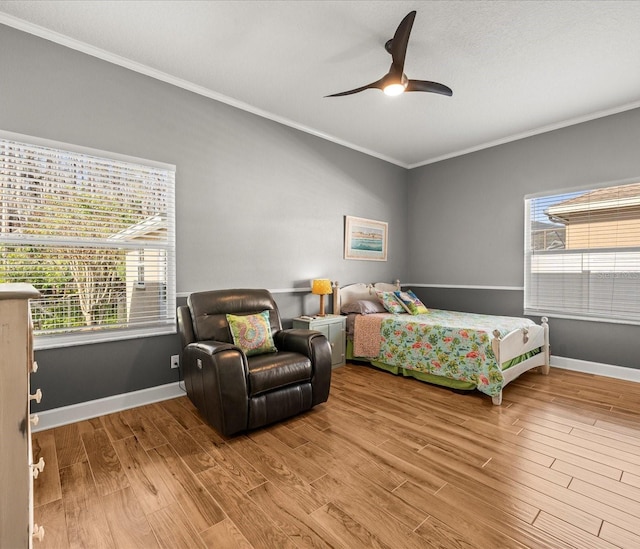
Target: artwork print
{"type": "Point", "coordinates": [365, 239]}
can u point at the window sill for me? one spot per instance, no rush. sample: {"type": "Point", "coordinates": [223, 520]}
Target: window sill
{"type": "Point", "coordinates": [567, 316]}
{"type": "Point", "coordinates": [72, 340]}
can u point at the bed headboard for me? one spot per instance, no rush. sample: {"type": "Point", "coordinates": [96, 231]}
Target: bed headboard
{"type": "Point", "coordinates": [360, 290]}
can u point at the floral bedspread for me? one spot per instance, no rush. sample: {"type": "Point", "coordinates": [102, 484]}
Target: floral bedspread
{"type": "Point", "coordinates": [447, 343]}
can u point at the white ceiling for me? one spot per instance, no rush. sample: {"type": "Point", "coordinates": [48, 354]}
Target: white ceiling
{"type": "Point", "coordinates": [516, 67]}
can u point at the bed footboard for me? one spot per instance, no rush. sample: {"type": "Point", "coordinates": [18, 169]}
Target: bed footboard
{"type": "Point", "coordinates": [517, 343]}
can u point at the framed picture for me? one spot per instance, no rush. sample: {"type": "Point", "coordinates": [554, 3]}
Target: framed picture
{"type": "Point", "coordinates": [365, 239]}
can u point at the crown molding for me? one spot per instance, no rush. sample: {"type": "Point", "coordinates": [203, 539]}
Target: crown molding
{"type": "Point", "coordinates": [530, 133]}
{"type": "Point", "coordinates": [140, 68]}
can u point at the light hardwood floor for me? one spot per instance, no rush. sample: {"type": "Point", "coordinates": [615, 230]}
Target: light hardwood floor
{"type": "Point", "coordinates": [386, 462]}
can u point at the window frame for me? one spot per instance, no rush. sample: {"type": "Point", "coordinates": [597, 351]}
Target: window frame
{"type": "Point", "coordinates": [166, 323]}
{"type": "Point", "coordinates": [528, 253]}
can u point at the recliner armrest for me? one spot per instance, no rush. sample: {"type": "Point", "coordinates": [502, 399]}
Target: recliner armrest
{"type": "Point", "coordinates": [316, 347]}
{"type": "Point", "coordinates": [212, 347]}
{"type": "Point", "coordinates": [297, 340]}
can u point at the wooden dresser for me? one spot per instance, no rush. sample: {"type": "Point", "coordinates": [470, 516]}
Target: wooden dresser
{"type": "Point", "coordinates": [17, 469]}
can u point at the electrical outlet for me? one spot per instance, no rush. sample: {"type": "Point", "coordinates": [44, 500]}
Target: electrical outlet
{"type": "Point", "coordinates": [175, 361]}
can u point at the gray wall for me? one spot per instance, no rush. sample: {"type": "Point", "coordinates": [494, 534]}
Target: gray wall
{"type": "Point", "coordinates": [466, 224]}
{"type": "Point", "coordinates": [258, 204]}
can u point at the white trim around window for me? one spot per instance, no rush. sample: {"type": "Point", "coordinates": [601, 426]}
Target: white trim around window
{"type": "Point", "coordinates": [94, 232]}
{"type": "Point", "coordinates": [582, 253]}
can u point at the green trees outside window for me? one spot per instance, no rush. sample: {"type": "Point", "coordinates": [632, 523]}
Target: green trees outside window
{"type": "Point", "coordinates": [94, 235]}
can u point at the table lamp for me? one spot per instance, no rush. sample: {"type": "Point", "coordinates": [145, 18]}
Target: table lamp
{"type": "Point", "coordinates": [321, 287]}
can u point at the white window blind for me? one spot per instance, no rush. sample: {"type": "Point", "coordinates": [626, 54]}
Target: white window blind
{"type": "Point", "coordinates": [582, 254]}
{"type": "Point", "coordinates": [94, 233]}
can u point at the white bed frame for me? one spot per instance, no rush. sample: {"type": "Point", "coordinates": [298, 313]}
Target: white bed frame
{"type": "Point", "coordinates": [512, 345]}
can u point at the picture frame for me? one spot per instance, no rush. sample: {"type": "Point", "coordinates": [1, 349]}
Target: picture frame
{"type": "Point", "coordinates": [365, 239]}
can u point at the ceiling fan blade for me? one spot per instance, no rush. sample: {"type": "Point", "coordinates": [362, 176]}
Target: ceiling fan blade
{"type": "Point", "coordinates": [374, 85]}
{"type": "Point", "coordinates": [400, 40]}
{"type": "Point", "coordinates": [395, 81]}
{"type": "Point", "coordinates": [426, 86]}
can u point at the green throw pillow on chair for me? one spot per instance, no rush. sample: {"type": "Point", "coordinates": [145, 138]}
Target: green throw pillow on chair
{"type": "Point", "coordinates": [252, 333]}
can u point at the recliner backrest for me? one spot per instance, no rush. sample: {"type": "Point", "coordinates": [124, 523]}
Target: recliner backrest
{"type": "Point", "coordinates": [209, 309]}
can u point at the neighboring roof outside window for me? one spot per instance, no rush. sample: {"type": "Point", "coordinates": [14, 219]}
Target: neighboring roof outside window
{"type": "Point", "coordinates": [621, 196]}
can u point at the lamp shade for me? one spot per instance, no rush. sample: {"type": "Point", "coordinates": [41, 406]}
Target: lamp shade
{"type": "Point", "coordinates": [321, 286]}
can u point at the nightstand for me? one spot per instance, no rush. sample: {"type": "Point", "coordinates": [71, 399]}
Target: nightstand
{"type": "Point", "coordinates": [333, 327]}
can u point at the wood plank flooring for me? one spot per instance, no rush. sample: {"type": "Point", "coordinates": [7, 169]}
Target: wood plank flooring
{"type": "Point", "coordinates": [386, 462]}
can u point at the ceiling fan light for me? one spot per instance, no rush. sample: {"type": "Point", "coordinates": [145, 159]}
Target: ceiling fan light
{"type": "Point", "coordinates": [394, 89]}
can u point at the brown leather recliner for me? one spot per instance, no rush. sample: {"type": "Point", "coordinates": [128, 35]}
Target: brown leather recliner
{"type": "Point", "coordinates": [235, 392]}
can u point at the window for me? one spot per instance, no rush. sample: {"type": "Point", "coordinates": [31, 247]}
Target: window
{"type": "Point", "coordinates": [582, 254]}
{"type": "Point", "coordinates": [94, 233]}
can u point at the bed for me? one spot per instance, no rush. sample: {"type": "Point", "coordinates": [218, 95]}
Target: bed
{"type": "Point", "coordinates": [464, 351]}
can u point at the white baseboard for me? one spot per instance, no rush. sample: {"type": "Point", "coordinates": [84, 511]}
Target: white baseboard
{"type": "Point", "coordinates": [94, 408]}
{"type": "Point", "coordinates": [102, 406]}
{"type": "Point", "coordinates": [597, 368]}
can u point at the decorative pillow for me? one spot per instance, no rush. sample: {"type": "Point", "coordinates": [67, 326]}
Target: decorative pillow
{"type": "Point", "coordinates": [363, 307]}
{"type": "Point", "coordinates": [411, 302]}
{"type": "Point", "coordinates": [252, 333]}
{"type": "Point", "coordinates": [391, 302]}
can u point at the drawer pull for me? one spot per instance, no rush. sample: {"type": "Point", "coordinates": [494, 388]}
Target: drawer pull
{"type": "Point", "coordinates": [38, 532]}
{"type": "Point", "coordinates": [34, 367]}
{"type": "Point", "coordinates": [34, 419]}
{"type": "Point", "coordinates": [37, 468]}
{"type": "Point", "coordinates": [37, 396]}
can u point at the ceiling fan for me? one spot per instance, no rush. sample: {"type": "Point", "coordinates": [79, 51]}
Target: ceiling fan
{"type": "Point", "coordinates": [395, 81]}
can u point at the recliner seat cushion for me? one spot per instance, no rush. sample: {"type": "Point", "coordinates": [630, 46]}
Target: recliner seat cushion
{"type": "Point", "coordinates": [277, 370]}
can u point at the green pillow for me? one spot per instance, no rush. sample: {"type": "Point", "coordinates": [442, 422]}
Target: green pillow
{"type": "Point", "coordinates": [390, 302]}
{"type": "Point", "coordinates": [412, 303]}
{"type": "Point", "coordinates": [252, 333]}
